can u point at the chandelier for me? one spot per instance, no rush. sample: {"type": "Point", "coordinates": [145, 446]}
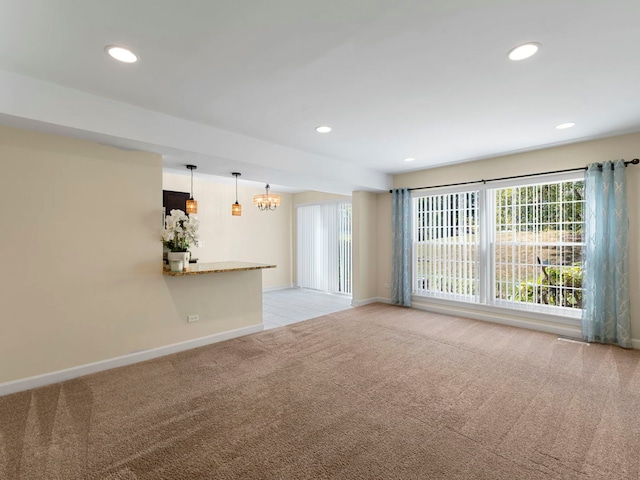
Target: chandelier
{"type": "Point", "coordinates": [266, 201]}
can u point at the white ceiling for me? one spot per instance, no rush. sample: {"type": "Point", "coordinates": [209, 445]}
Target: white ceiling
{"type": "Point", "coordinates": [241, 85]}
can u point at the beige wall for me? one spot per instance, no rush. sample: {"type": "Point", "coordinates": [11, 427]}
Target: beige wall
{"type": "Point", "coordinates": [317, 197]}
{"type": "Point", "coordinates": [364, 246]}
{"type": "Point", "coordinates": [557, 158]}
{"type": "Point", "coordinates": [255, 236]}
{"type": "Point", "coordinates": [80, 274]}
{"type": "Point", "coordinates": [384, 250]}
{"type": "Point", "coordinates": [80, 277]}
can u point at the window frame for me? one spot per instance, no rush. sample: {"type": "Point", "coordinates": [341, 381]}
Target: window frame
{"type": "Point", "coordinates": [486, 253]}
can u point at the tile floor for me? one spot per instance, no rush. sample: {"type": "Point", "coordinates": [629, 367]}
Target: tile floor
{"type": "Point", "coordinates": [291, 305]}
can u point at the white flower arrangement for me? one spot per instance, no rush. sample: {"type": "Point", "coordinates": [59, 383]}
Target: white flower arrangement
{"type": "Point", "coordinates": [180, 231]}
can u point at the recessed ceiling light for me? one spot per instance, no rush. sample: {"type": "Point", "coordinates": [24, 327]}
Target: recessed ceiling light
{"type": "Point", "coordinates": [562, 126]}
{"type": "Point", "coordinates": [409, 159]}
{"type": "Point", "coordinates": [121, 54]}
{"type": "Point", "coordinates": [323, 129]}
{"type": "Point", "coordinates": [523, 51]}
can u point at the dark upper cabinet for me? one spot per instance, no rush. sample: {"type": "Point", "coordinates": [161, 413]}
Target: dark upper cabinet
{"type": "Point", "coordinates": [174, 200]}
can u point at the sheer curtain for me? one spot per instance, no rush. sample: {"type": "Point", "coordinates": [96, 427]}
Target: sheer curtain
{"type": "Point", "coordinates": [401, 263]}
{"type": "Point", "coordinates": [606, 316]}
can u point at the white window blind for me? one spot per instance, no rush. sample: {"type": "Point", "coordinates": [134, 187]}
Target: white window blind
{"type": "Point", "coordinates": [446, 245]}
{"type": "Point", "coordinates": [324, 247]}
{"type": "Point", "coordinates": [538, 245]}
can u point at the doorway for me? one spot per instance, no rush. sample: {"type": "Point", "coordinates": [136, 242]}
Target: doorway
{"type": "Point", "coordinates": [324, 247]}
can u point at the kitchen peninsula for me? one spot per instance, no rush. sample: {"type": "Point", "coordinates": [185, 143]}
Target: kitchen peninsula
{"type": "Point", "coordinates": [217, 267]}
{"type": "Point", "coordinates": [219, 296]}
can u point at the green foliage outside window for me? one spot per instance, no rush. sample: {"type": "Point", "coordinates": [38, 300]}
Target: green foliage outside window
{"type": "Point", "coordinates": [556, 206]}
{"type": "Point", "coordinates": [530, 222]}
{"type": "Point", "coordinates": [559, 285]}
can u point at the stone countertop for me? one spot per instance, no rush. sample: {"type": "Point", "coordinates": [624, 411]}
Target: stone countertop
{"type": "Point", "coordinates": [216, 267]}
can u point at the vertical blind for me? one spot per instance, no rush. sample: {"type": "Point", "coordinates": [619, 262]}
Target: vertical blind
{"type": "Point", "coordinates": [518, 247]}
{"type": "Point", "coordinates": [446, 246]}
{"type": "Point", "coordinates": [324, 247]}
{"type": "Point", "coordinates": [538, 244]}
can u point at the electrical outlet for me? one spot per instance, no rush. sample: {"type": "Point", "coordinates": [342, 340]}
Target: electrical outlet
{"type": "Point", "coordinates": [386, 285]}
{"type": "Point", "coordinates": [193, 318]}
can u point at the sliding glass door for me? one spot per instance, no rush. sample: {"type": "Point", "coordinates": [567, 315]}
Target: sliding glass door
{"type": "Point", "coordinates": [324, 247]}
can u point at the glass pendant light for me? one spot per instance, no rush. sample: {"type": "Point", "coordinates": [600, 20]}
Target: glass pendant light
{"type": "Point", "coordinates": [236, 208]}
{"type": "Point", "coordinates": [192, 205]}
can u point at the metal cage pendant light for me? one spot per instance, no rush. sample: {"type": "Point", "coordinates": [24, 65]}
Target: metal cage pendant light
{"type": "Point", "coordinates": [192, 205]}
{"type": "Point", "coordinates": [266, 201]}
{"type": "Point", "coordinates": [236, 208]}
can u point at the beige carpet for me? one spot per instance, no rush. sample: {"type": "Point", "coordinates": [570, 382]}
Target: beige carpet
{"type": "Point", "coordinates": [375, 392]}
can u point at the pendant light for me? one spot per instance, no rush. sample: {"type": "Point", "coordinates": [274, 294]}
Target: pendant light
{"type": "Point", "coordinates": [192, 205]}
{"type": "Point", "coordinates": [266, 201]}
{"type": "Point", "coordinates": [236, 208]}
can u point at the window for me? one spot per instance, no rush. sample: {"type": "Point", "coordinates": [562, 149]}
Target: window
{"type": "Point", "coordinates": [324, 247]}
{"type": "Point", "coordinates": [516, 246]}
{"type": "Point", "coordinates": [446, 246]}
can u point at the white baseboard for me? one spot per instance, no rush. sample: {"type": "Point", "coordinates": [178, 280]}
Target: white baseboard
{"type": "Point", "coordinates": [565, 330]}
{"type": "Point", "coordinates": [278, 287]}
{"type": "Point", "coordinates": [367, 301]}
{"type": "Point", "coordinates": [28, 383]}
{"type": "Point", "coordinates": [82, 370]}
{"type": "Point", "coordinates": [557, 329]}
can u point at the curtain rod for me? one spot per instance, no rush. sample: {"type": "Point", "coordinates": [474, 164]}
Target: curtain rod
{"type": "Point", "coordinates": [635, 161]}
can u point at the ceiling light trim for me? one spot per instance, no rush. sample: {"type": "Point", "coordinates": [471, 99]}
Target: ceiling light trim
{"type": "Point", "coordinates": [122, 54]}
{"type": "Point", "coordinates": [523, 51]}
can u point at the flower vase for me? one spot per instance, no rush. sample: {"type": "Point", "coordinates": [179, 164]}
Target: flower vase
{"type": "Point", "coordinates": [179, 261]}
{"type": "Point", "coordinates": [176, 265]}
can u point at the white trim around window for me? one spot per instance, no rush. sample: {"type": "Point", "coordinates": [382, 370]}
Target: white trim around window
{"type": "Point", "coordinates": [527, 261]}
